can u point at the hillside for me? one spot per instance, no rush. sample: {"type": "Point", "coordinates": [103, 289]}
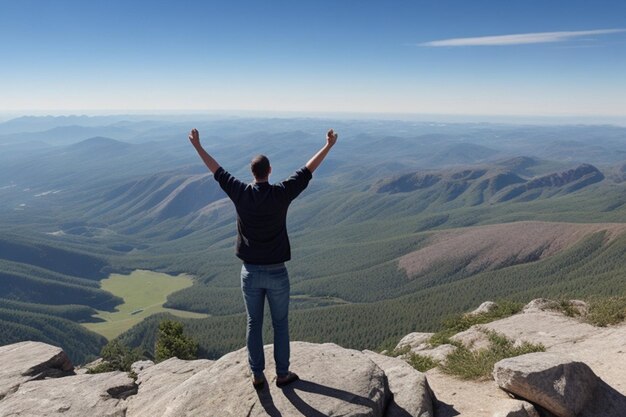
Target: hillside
{"type": "Point", "coordinates": [491, 247]}
{"type": "Point", "coordinates": [47, 290]}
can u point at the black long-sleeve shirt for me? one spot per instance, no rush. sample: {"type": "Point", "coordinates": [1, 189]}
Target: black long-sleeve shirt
{"type": "Point", "coordinates": [262, 215]}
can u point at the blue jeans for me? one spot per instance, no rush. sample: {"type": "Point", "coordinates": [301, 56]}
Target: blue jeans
{"type": "Point", "coordinates": [257, 283]}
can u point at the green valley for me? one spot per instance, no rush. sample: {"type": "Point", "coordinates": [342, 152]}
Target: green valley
{"type": "Point", "coordinates": [144, 293]}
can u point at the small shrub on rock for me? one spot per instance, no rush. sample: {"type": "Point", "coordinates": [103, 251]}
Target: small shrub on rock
{"type": "Point", "coordinates": [116, 356]}
{"type": "Point", "coordinates": [607, 311]}
{"type": "Point", "coordinates": [421, 362]}
{"type": "Point", "coordinates": [466, 364]}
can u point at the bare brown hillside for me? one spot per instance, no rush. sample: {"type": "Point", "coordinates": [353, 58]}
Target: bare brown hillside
{"type": "Point", "coordinates": [499, 245]}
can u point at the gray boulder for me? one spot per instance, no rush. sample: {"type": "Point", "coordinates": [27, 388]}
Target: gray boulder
{"type": "Point", "coordinates": [485, 307]}
{"type": "Point", "coordinates": [412, 395]}
{"type": "Point", "coordinates": [414, 340]}
{"type": "Point", "coordinates": [99, 395]}
{"type": "Point", "coordinates": [27, 361]}
{"type": "Point", "coordinates": [538, 305]}
{"type": "Point", "coordinates": [552, 381]}
{"type": "Point", "coordinates": [543, 304]}
{"type": "Point", "coordinates": [438, 353]}
{"type": "Point", "coordinates": [157, 381]}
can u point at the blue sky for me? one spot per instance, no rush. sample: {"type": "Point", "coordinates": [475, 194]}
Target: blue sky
{"type": "Point", "coordinates": [315, 56]}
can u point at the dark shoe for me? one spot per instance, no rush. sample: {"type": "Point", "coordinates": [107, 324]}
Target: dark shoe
{"type": "Point", "coordinates": [258, 383]}
{"type": "Point", "coordinates": [284, 380]}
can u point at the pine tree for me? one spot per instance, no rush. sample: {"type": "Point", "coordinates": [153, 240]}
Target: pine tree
{"type": "Point", "coordinates": [116, 356]}
{"type": "Point", "coordinates": [171, 342]}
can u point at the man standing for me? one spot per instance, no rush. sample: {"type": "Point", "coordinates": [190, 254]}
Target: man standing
{"type": "Point", "coordinates": [263, 246]}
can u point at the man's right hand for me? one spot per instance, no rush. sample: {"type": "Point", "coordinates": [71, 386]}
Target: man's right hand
{"type": "Point", "coordinates": [331, 137]}
{"type": "Point", "coordinates": [194, 137]}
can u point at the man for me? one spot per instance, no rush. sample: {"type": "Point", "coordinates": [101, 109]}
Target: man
{"type": "Point", "coordinates": [263, 246]}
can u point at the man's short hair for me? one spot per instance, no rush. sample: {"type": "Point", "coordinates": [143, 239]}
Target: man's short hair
{"type": "Point", "coordinates": [260, 167]}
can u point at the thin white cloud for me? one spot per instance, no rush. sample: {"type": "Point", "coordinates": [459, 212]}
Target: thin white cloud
{"type": "Point", "coordinates": [520, 39]}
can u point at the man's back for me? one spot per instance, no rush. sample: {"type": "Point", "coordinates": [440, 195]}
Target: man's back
{"type": "Point", "coordinates": [261, 215]}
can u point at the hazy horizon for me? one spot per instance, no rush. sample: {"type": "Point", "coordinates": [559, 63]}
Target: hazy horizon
{"type": "Point", "coordinates": [406, 117]}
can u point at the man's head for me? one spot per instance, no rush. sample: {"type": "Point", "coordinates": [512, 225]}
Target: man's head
{"type": "Point", "coordinates": [260, 167]}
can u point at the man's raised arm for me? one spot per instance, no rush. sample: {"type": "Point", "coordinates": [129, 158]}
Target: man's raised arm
{"type": "Point", "coordinates": [194, 138]}
{"type": "Point", "coordinates": [331, 139]}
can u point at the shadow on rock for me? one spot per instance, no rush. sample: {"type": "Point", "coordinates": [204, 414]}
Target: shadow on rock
{"type": "Point", "coordinates": [606, 402]}
{"type": "Point", "coordinates": [265, 397]}
{"type": "Point", "coordinates": [445, 410]}
{"type": "Point", "coordinates": [308, 386]}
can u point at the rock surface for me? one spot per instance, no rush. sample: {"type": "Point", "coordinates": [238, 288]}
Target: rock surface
{"type": "Point", "coordinates": [456, 397]}
{"type": "Point", "coordinates": [602, 349]}
{"type": "Point", "coordinates": [567, 335]}
{"type": "Point", "coordinates": [515, 408]}
{"type": "Point", "coordinates": [438, 353]}
{"type": "Point", "coordinates": [475, 338]}
{"type": "Point", "coordinates": [485, 307]}
{"type": "Point", "coordinates": [414, 340]}
{"type": "Point", "coordinates": [157, 381]}
{"type": "Point", "coordinates": [556, 383]}
{"type": "Point", "coordinates": [139, 366]}
{"type": "Point", "coordinates": [99, 395]}
{"type": "Point", "coordinates": [538, 305]}
{"type": "Point", "coordinates": [26, 361]}
{"type": "Point", "coordinates": [412, 395]}
{"type": "Point", "coordinates": [334, 381]}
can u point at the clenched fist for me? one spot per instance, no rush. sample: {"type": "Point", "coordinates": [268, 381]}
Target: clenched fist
{"type": "Point", "coordinates": [331, 137]}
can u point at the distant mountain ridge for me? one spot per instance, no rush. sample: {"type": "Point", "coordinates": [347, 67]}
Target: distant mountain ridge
{"type": "Point", "coordinates": [99, 143]}
{"type": "Point", "coordinates": [567, 182]}
{"type": "Point", "coordinates": [493, 183]}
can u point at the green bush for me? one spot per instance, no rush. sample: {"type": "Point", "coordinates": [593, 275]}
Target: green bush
{"type": "Point", "coordinates": [394, 353]}
{"type": "Point", "coordinates": [116, 357]}
{"type": "Point", "coordinates": [171, 342]}
{"type": "Point", "coordinates": [607, 311]}
{"type": "Point", "coordinates": [566, 307]}
{"type": "Point", "coordinates": [421, 362]}
{"type": "Point", "coordinates": [467, 364]}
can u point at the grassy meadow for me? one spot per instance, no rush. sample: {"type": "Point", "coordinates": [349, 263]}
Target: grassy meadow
{"type": "Point", "coordinates": [144, 293]}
